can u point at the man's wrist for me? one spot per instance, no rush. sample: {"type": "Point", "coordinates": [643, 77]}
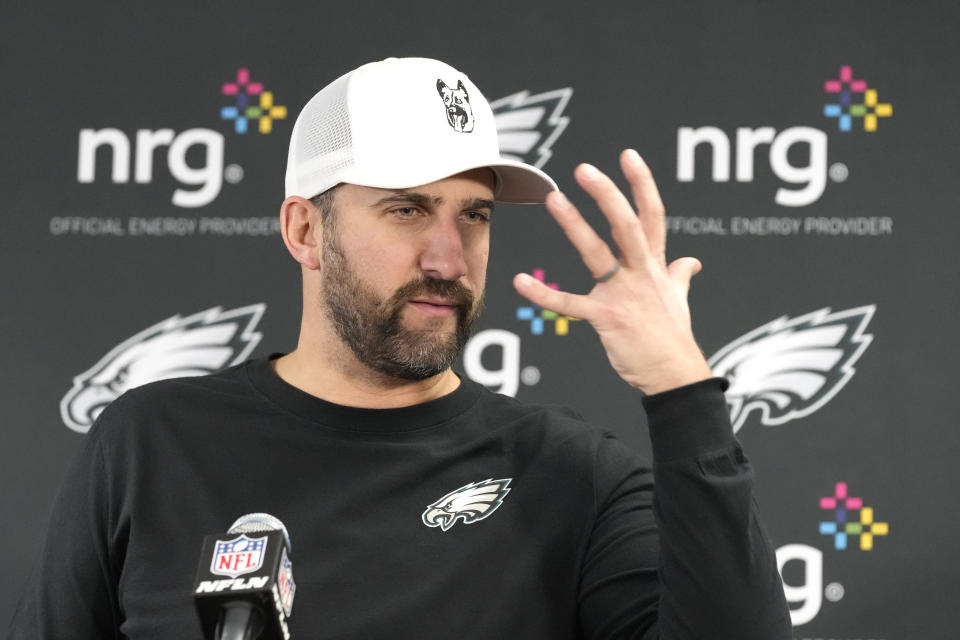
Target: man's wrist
{"type": "Point", "coordinates": [679, 377]}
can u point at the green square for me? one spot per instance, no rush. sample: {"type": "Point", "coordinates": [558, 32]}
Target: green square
{"type": "Point", "coordinates": [858, 110]}
{"type": "Point", "coordinates": [854, 528]}
{"type": "Point", "coordinates": [548, 315]}
{"type": "Point", "coordinates": [253, 112]}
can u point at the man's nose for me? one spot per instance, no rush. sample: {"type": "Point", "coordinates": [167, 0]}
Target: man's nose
{"type": "Point", "coordinates": [443, 255]}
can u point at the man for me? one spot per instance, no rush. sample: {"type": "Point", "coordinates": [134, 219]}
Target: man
{"type": "Point", "coordinates": [420, 504]}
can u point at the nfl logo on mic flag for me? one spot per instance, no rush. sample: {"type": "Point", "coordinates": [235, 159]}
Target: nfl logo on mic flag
{"type": "Point", "coordinates": [236, 557]}
{"type": "Point", "coordinates": [285, 583]}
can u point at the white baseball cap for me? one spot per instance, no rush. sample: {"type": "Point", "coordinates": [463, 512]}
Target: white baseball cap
{"type": "Point", "coordinates": [400, 123]}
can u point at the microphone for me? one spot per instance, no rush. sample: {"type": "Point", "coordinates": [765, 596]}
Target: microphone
{"type": "Point", "coordinates": [244, 587]}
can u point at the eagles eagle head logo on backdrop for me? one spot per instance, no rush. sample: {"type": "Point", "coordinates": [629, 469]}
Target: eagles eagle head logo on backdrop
{"type": "Point", "coordinates": [196, 345]}
{"type": "Point", "coordinates": [529, 125]}
{"type": "Point", "coordinates": [788, 369]}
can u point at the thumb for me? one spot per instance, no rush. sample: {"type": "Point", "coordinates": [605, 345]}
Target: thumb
{"type": "Point", "coordinates": [682, 270]}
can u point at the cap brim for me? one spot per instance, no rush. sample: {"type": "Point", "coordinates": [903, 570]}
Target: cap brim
{"type": "Point", "coordinates": [516, 182]}
{"type": "Point", "coordinates": [521, 183]}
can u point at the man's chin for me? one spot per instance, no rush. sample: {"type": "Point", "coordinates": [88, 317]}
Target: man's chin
{"type": "Point", "coordinates": [419, 354]}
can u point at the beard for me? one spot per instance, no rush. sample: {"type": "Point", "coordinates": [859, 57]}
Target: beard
{"type": "Point", "coordinates": [372, 326]}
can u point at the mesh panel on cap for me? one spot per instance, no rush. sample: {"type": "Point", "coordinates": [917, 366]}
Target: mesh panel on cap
{"type": "Point", "coordinates": [326, 145]}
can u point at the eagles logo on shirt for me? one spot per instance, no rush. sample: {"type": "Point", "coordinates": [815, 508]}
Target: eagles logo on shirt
{"type": "Point", "coordinates": [470, 503]}
{"type": "Point", "coordinates": [789, 368]}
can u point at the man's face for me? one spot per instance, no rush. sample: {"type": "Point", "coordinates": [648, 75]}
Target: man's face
{"type": "Point", "coordinates": [403, 271]}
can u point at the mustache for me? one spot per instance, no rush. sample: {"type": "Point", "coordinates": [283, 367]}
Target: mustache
{"type": "Point", "coordinates": [451, 289]}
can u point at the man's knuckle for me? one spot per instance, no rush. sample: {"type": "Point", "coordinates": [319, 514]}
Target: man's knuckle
{"type": "Point", "coordinates": [617, 315]}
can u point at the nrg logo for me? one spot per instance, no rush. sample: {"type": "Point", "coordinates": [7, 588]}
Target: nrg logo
{"type": "Point", "coordinates": [251, 103]}
{"type": "Point", "coordinates": [486, 345]}
{"type": "Point", "coordinates": [853, 99]}
{"type": "Point", "coordinates": [537, 316]}
{"type": "Point", "coordinates": [506, 377]}
{"type": "Point", "coordinates": [805, 596]}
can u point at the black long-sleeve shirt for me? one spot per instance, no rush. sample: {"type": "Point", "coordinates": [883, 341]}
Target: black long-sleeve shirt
{"type": "Point", "coordinates": [396, 530]}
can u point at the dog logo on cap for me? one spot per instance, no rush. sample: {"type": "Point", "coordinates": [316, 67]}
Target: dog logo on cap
{"type": "Point", "coordinates": [457, 103]}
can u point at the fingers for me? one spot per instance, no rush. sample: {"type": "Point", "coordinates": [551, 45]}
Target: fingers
{"type": "Point", "coordinates": [681, 271]}
{"type": "Point", "coordinates": [649, 205]}
{"type": "Point", "coordinates": [593, 250]}
{"type": "Point", "coordinates": [561, 302]}
{"type": "Point", "coordinates": [624, 226]}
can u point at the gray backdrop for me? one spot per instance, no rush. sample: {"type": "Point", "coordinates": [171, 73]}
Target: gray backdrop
{"type": "Point", "coordinates": [849, 390]}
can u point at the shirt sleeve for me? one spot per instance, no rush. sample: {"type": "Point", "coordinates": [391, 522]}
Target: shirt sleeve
{"type": "Point", "coordinates": [678, 552]}
{"type": "Point", "coordinates": [72, 592]}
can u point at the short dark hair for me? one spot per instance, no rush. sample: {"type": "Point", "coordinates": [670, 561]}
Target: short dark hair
{"type": "Point", "coordinates": [324, 202]}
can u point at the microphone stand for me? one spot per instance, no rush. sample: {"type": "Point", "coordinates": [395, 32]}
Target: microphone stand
{"type": "Point", "coordinates": [239, 620]}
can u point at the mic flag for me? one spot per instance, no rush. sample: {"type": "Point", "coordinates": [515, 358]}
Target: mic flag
{"type": "Point", "coordinates": [249, 569]}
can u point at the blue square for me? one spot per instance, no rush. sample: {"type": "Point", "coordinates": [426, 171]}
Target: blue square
{"type": "Point", "coordinates": [536, 326]}
{"type": "Point", "coordinates": [840, 541]}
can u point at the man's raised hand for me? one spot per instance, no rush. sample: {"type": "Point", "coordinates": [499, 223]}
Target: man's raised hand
{"type": "Point", "coordinates": [641, 311]}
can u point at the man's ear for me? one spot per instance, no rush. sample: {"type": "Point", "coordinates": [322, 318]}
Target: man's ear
{"type": "Point", "coordinates": [302, 231]}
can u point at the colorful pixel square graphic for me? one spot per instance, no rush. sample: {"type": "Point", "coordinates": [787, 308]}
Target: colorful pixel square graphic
{"type": "Point", "coordinates": [264, 111]}
{"type": "Point", "coordinates": [842, 525]}
{"type": "Point", "coordinates": [537, 315]}
{"type": "Point", "coordinates": [845, 86]}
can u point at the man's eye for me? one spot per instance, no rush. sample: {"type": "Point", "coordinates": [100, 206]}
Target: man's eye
{"type": "Point", "coordinates": [406, 212]}
{"type": "Point", "coordinates": [476, 216]}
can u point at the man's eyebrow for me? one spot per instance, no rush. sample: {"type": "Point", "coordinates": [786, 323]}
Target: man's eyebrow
{"type": "Point", "coordinates": [478, 203]}
{"type": "Point", "coordinates": [423, 200]}
{"type": "Point", "coordinates": [412, 197]}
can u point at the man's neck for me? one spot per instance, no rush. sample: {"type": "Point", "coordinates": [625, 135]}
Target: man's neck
{"type": "Point", "coordinates": [345, 381]}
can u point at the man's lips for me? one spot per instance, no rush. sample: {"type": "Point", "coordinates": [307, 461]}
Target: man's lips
{"type": "Point", "coordinates": [434, 307]}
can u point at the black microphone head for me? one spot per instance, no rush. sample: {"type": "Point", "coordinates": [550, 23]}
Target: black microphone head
{"type": "Point", "coordinates": [257, 522]}
{"type": "Point", "coordinates": [249, 568]}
